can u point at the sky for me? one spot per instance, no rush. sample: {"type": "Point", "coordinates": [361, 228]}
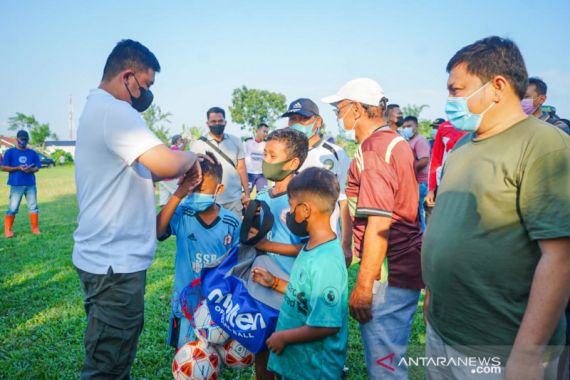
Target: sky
{"type": "Point", "coordinates": [51, 50]}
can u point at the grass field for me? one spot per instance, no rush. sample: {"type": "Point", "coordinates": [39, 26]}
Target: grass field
{"type": "Point", "coordinates": [41, 314]}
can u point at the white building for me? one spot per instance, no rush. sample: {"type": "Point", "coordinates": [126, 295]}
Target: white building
{"type": "Point", "coordinates": [67, 146]}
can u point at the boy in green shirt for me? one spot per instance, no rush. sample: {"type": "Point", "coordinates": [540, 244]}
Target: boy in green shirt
{"type": "Point", "coordinates": [312, 331]}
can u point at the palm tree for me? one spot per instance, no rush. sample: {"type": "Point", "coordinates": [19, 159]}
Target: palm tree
{"type": "Point", "coordinates": [22, 121]}
{"type": "Point", "coordinates": [413, 110]}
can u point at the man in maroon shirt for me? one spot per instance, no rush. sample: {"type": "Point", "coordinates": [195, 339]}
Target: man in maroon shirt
{"type": "Point", "coordinates": [383, 198]}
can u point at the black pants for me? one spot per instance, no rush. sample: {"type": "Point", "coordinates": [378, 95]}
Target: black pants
{"type": "Point", "coordinates": [114, 304]}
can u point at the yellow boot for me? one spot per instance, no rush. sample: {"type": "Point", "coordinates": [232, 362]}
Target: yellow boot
{"type": "Point", "coordinates": [34, 223]}
{"type": "Point", "coordinates": [8, 223]}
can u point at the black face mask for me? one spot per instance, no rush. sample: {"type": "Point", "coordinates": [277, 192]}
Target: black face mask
{"type": "Point", "coordinates": [217, 129]}
{"type": "Point", "coordinates": [144, 101]}
{"type": "Point", "coordinates": [400, 121]}
{"type": "Point", "coordinates": [299, 229]}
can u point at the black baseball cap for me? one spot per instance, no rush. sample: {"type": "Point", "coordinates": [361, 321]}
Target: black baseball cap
{"type": "Point", "coordinates": [437, 122]}
{"type": "Point", "coordinates": [22, 135]}
{"type": "Point", "coordinates": [304, 107]}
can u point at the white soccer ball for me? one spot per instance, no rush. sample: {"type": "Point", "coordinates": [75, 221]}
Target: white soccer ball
{"type": "Point", "coordinates": [196, 361]}
{"type": "Point", "coordinates": [234, 355]}
{"type": "Point", "coordinates": [205, 328]}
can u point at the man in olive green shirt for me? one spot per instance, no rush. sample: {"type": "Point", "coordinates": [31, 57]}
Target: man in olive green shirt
{"type": "Point", "coordinates": [496, 254]}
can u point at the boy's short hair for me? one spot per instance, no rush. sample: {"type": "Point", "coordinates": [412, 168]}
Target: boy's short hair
{"type": "Point", "coordinates": [297, 143]}
{"type": "Point", "coordinates": [214, 170]}
{"type": "Point", "coordinates": [318, 185]}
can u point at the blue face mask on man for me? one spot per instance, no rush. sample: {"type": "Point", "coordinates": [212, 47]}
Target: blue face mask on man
{"type": "Point", "coordinates": [199, 202]}
{"type": "Point", "coordinates": [306, 129]}
{"type": "Point", "coordinates": [407, 133]}
{"type": "Point", "coordinates": [458, 113]}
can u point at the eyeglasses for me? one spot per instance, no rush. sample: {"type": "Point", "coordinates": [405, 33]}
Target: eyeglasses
{"type": "Point", "coordinates": [337, 110]}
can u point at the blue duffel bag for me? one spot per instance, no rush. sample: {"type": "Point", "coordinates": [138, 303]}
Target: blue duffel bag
{"type": "Point", "coordinates": [246, 310]}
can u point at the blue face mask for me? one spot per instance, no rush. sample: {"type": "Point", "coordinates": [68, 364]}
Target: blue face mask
{"type": "Point", "coordinates": [458, 113]}
{"type": "Point", "coordinates": [199, 202]}
{"type": "Point", "coordinates": [306, 129]}
{"type": "Point", "coordinates": [407, 133]}
{"type": "Point", "coordinates": [433, 133]}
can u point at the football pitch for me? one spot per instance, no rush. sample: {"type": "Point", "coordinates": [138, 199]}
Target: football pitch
{"type": "Point", "coordinates": [41, 313]}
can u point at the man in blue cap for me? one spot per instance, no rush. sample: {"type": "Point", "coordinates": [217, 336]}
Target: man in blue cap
{"type": "Point", "coordinates": [303, 115]}
{"type": "Point", "coordinates": [21, 162]}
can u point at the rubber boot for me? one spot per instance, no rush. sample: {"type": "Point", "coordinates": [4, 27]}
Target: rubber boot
{"type": "Point", "coordinates": [34, 223]}
{"type": "Point", "coordinates": [8, 223]}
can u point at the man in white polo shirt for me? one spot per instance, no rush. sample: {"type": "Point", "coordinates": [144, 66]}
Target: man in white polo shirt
{"type": "Point", "coordinates": [303, 116]}
{"type": "Point", "coordinates": [117, 157]}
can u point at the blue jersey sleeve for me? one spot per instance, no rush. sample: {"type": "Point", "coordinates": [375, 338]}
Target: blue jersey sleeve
{"type": "Point", "coordinates": [175, 220]}
{"type": "Point", "coordinates": [6, 160]}
{"type": "Point", "coordinates": [36, 159]}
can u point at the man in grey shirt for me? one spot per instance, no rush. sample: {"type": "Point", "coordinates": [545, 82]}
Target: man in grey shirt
{"type": "Point", "coordinates": [229, 151]}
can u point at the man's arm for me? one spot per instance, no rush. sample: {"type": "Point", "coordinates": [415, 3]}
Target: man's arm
{"type": "Point", "coordinates": [421, 163]}
{"type": "Point", "coordinates": [549, 294]}
{"type": "Point", "coordinates": [167, 163]}
{"type": "Point", "coordinates": [346, 223]}
{"type": "Point", "coordinates": [281, 339]}
{"type": "Point", "coordinates": [373, 254]}
{"type": "Point", "coordinates": [242, 171]}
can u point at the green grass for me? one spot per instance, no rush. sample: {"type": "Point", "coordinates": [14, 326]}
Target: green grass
{"type": "Point", "coordinates": [41, 313]}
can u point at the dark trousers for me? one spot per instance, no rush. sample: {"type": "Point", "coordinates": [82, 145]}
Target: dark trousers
{"type": "Point", "coordinates": [114, 304]}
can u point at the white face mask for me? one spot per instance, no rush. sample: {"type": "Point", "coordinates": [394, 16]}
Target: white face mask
{"type": "Point", "coordinates": [350, 135]}
{"type": "Point", "coordinates": [347, 134]}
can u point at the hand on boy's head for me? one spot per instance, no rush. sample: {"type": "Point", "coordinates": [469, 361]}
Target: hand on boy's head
{"type": "Point", "coordinates": [202, 157]}
{"type": "Point", "coordinates": [188, 183]}
{"type": "Point", "coordinates": [262, 277]}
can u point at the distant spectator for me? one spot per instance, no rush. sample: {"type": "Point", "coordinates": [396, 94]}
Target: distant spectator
{"type": "Point", "coordinates": [445, 140]}
{"type": "Point", "coordinates": [394, 116]}
{"type": "Point", "coordinates": [62, 160]}
{"type": "Point", "coordinates": [254, 158]}
{"type": "Point", "coordinates": [229, 152]}
{"type": "Point", "coordinates": [434, 127]}
{"type": "Point", "coordinates": [534, 99]}
{"type": "Point", "coordinates": [22, 163]}
{"type": "Point", "coordinates": [420, 148]}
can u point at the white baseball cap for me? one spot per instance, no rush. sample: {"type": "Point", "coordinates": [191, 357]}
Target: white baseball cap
{"type": "Point", "coordinates": [361, 90]}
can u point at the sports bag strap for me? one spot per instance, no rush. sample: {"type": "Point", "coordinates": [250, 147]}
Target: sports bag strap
{"type": "Point", "coordinates": [262, 220]}
{"type": "Point", "coordinates": [219, 151]}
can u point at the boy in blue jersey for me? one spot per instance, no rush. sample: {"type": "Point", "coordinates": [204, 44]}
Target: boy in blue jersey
{"type": "Point", "coordinates": [285, 151]}
{"type": "Point", "coordinates": [312, 330]}
{"type": "Point", "coordinates": [204, 232]}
